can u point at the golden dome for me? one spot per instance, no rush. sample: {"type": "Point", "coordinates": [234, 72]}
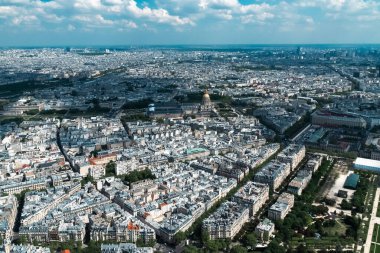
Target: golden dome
{"type": "Point", "coordinates": [206, 98]}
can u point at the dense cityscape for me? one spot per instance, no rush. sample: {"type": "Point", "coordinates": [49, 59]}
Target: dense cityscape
{"type": "Point", "coordinates": [146, 149]}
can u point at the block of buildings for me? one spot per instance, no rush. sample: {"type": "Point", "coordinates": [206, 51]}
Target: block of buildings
{"type": "Point", "coordinates": [226, 221]}
{"type": "Point", "coordinates": [292, 154]}
{"type": "Point", "coordinates": [282, 207]}
{"type": "Point", "coordinates": [252, 195]}
{"type": "Point", "coordinates": [264, 230]}
{"type": "Point", "coordinates": [273, 174]}
{"type": "Point", "coordinates": [299, 183]}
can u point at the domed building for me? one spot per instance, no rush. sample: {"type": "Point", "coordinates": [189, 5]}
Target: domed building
{"type": "Point", "coordinates": [206, 102]}
{"type": "Point", "coordinates": [179, 110]}
{"type": "Point", "coordinates": [206, 98]}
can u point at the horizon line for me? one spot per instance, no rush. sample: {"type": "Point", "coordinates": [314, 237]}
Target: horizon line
{"type": "Point", "coordinates": [190, 44]}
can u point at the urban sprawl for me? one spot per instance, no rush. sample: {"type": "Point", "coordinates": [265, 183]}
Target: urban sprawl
{"type": "Point", "coordinates": [176, 149]}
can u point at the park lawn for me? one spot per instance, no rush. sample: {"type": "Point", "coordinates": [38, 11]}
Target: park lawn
{"type": "Point", "coordinates": [374, 233]}
{"type": "Point", "coordinates": [375, 248]}
{"type": "Point", "coordinates": [378, 233]}
{"type": "Point", "coordinates": [338, 229]}
{"type": "Point", "coordinates": [323, 243]}
{"type": "Point", "coordinates": [378, 210]}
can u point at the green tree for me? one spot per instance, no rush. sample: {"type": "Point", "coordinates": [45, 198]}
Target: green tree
{"type": "Point", "coordinates": [140, 242]}
{"type": "Point", "coordinates": [94, 153]}
{"type": "Point", "coordinates": [345, 205]}
{"type": "Point", "coordinates": [92, 247]}
{"type": "Point", "coordinates": [87, 179]}
{"type": "Point", "coordinates": [135, 175]}
{"type": "Point", "coordinates": [274, 247]}
{"type": "Point", "coordinates": [179, 237]}
{"type": "Point", "coordinates": [250, 240]}
{"type": "Point", "coordinates": [205, 236]}
{"type": "Point", "coordinates": [238, 249]}
{"type": "Point", "coordinates": [213, 245]}
{"type": "Point", "coordinates": [23, 239]}
{"type": "Point", "coordinates": [110, 169]}
{"type": "Point", "coordinates": [190, 249]}
{"type": "Point", "coordinates": [301, 249]}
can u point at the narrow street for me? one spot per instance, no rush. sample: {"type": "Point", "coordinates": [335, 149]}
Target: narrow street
{"type": "Point", "coordinates": [63, 152]}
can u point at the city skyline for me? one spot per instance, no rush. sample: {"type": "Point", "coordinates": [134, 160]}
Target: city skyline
{"type": "Point", "coordinates": [133, 22]}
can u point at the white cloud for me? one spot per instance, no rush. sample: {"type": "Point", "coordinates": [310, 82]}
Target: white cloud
{"type": "Point", "coordinates": [159, 15]}
{"type": "Point", "coordinates": [6, 11]}
{"type": "Point", "coordinates": [25, 20]}
{"type": "Point", "coordinates": [87, 13]}
{"type": "Point", "coordinates": [88, 4]}
{"type": "Point", "coordinates": [339, 5]}
{"type": "Point", "coordinates": [71, 28]}
{"type": "Point", "coordinates": [182, 15]}
{"type": "Point", "coordinates": [94, 20]}
{"type": "Point", "coordinates": [128, 24]}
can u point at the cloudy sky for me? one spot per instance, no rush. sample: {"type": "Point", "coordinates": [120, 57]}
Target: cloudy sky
{"type": "Point", "coordinates": [123, 22]}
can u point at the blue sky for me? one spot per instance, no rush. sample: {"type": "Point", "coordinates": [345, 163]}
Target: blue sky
{"type": "Point", "coordinates": [123, 22]}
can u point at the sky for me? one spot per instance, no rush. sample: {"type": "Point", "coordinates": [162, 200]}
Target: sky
{"type": "Point", "coordinates": [163, 22]}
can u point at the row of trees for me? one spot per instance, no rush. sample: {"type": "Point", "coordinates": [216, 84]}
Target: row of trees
{"type": "Point", "coordinates": [135, 117]}
{"type": "Point", "coordinates": [319, 177]}
{"type": "Point", "coordinates": [140, 104]}
{"type": "Point", "coordinates": [293, 130]}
